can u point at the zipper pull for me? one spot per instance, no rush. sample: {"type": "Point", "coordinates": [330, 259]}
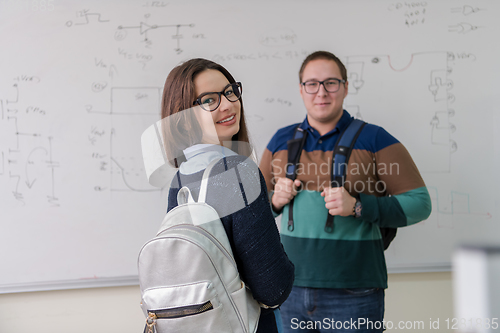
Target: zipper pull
{"type": "Point", "coordinates": [151, 322]}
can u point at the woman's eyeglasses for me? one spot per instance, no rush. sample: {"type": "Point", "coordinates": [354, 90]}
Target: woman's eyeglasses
{"type": "Point", "coordinates": [210, 101]}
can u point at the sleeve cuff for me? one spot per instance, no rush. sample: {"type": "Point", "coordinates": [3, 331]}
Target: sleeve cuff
{"type": "Point", "coordinates": [275, 214]}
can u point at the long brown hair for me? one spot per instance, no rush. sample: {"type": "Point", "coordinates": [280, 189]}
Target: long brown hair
{"type": "Point", "coordinates": [178, 95]}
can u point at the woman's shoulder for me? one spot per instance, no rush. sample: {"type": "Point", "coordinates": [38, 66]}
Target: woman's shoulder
{"type": "Point", "coordinates": [243, 165]}
{"type": "Point", "coordinates": [237, 179]}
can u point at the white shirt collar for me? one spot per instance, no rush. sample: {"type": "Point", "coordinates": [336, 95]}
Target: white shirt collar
{"type": "Point", "coordinates": [199, 157]}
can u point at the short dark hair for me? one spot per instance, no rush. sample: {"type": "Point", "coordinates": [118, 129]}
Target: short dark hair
{"type": "Point", "coordinates": [323, 55]}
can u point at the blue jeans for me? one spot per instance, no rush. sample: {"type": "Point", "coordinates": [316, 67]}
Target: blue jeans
{"type": "Point", "coordinates": [333, 310]}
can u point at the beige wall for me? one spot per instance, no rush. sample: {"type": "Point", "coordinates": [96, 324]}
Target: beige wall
{"type": "Point", "coordinates": [410, 297]}
{"type": "Point", "coordinates": [420, 297]}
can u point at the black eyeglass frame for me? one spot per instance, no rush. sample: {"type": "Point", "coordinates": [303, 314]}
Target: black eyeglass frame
{"type": "Point", "coordinates": [198, 100]}
{"type": "Point", "coordinates": [323, 83]}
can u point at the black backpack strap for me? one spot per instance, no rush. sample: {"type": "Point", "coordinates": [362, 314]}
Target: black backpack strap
{"type": "Point", "coordinates": [341, 153]}
{"type": "Point", "coordinates": [295, 147]}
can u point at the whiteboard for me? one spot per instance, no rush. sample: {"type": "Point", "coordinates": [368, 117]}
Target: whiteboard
{"type": "Point", "coordinates": [80, 81]}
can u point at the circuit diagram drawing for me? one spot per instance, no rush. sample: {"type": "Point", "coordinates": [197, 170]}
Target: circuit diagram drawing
{"type": "Point", "coordinates": [428, 74]}
{"type": "Point", "coordinates": [427, 102]}
{"type": "Point", "coordinates": [466, 10]}
{"type": "Point", "coordinates": [356, 76]}
{"type": "Point", "coordinates": [26, 153]}
{"type": "Point", "coordinates": [85, 17]}
{"type": "Point", "coordinates": [144, 28]}
{"type": "Point", "coordinates": [131, 111]}
{"type": "Point", "coordinates": [465, 27]}
{"type": "Point", "coordinates": [462, 28]}
{"type": "Point", "coordinates": [454, 203]}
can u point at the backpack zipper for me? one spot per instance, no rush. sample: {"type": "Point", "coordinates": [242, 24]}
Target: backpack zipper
{"type": "Point", "coordinates": [182, 311]}
{"type": "Point", "coordinates": [179, 312]}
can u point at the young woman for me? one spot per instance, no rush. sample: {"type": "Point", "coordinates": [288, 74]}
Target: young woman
{"type": "Point", "coordinates": [203, 105]}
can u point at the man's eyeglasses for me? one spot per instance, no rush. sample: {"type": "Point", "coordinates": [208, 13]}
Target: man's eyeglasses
{"type": "Point", "coordinates": [330, 85]}
{"type": "Point", "coordinates": [210, 101]}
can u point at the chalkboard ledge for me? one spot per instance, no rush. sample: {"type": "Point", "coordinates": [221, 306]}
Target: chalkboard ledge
{"type": "Point", "coordinates": [133, 280]}
{"type": "Point", "coordinates": [70, 284]}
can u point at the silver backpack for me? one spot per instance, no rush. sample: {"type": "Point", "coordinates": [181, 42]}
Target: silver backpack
{"type": "Point", "coordinates": [187, 274]}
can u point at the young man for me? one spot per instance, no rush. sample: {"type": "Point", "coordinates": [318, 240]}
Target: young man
{"type": "Point", "coordinates": [340, 272]}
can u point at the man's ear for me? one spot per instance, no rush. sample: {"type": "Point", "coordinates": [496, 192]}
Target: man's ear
{"type": "Point", "coordinates": [346, 85]}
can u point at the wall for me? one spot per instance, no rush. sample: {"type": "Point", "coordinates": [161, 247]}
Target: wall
{"type": "Point", "coordinates": [409, 298]}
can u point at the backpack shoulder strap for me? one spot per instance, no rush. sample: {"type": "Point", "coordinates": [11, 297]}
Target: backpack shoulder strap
{"type": "Point", "coordinates": [294, 146]}
{"type": "Point", "coordinates": [184, 195]}
{"type": "Point", "coordinates": [341, 153]}
{"type": "Point", "coordinates": [204, 181]}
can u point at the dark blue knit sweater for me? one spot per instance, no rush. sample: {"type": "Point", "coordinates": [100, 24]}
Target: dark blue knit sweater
{"type": "Point", "coordinates": [262, 263]}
